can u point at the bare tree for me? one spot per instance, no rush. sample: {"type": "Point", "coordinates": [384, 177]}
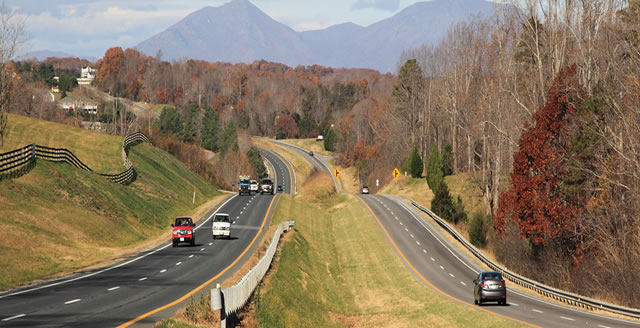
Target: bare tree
{"type": "Point", "coordinates": [12, 36]}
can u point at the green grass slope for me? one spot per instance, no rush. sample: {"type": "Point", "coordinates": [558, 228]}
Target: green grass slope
{"type": "Point", "coordinates": [57, 219]}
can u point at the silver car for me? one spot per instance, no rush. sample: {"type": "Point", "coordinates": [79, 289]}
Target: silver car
{"type": "Point", "coordinates": [489, 287]}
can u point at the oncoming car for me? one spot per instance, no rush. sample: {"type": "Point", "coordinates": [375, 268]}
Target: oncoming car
{"type": "Point", "coordinates": [183, 231]}
{"type": "Point", "coordinates": [254, 186]}
{"type": "Point", "coordinates": [489, 287]}
{"type": "Point", "coordinates": [221, 226]}
{"type": "Point", "coordinates": [365, 190]}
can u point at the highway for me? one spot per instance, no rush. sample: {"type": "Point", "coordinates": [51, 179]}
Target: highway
{"type": "Point", "coordinates": [147, 287]}
{"type": "Point", "coordinates": [440, 265]}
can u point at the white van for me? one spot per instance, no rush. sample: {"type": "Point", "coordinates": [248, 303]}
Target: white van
{"type": "Point", "coordinates": [221, 225]}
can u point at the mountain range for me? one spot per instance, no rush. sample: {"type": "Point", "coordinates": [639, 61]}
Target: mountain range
{"type": "Point", "coordinates": [41, 55]}
{"type": "Point", "coordinates": [240, 32]}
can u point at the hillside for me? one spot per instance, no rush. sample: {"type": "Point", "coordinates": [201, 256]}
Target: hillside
{"type": "Point", "coordinates": [239, 32]}
{"type": "Point", "coordinates": [57, 219]}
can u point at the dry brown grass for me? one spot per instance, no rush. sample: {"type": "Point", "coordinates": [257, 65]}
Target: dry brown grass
{"type": "Point", "coordinates": [317, 187]}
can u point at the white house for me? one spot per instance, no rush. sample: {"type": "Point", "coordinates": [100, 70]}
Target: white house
{"type": "Point", "coordinates": [87, 74]}
{"type": "Point", "coordinates": [77, 103]}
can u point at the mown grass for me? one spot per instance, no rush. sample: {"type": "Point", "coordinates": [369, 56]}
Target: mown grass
{"type": "Point", "coordinates": [57, 219]}
{"type": "Point", "coordinates": [309, 144]}
{"type": "Point", "coordinates": [338, 270]}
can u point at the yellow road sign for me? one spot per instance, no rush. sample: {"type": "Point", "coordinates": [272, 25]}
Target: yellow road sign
{"type": "Point", "coordinates": [396, 173]}
{"type": "Point", "coordinates": [336, 172]}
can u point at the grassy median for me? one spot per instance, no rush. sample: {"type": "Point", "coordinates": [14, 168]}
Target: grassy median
{"type": "Point", "coordinates": [338, 270]}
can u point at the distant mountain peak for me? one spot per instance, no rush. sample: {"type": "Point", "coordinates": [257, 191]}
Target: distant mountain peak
{"type": "Point", "coordinates": [238, 31]}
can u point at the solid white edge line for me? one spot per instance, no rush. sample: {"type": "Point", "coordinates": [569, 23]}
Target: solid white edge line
{"type": "Point", "coordinates": [530, 297]}
{"type": "Point", "coordinates": [115, 266]}
{"type": "Point", "coordinates": [14, 317]}
{"type": "Point", "coordinates": [72, 301]}
{"type": "Point", "coordinates": [602, 326]}
{"type": "Point", "coordinates": [533, 298]}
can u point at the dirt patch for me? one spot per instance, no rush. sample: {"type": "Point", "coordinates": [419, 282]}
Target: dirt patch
{"type": "Point", "coordinates": [344, 320]}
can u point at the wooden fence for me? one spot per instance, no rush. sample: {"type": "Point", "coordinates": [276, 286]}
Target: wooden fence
{"type": "Point", "coordinates": [17, 162]}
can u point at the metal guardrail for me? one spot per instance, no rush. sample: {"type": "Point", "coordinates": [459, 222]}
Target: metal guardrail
{"type": "Point", "coordinates": [25, 157]}
{"type": "Point", "coordinates": [542, 289]}
{"type": "Point", "coordinates": [232, 299]}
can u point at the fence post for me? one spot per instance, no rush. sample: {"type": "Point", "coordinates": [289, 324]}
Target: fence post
{"type": "Point", "coordinates": [217, 303]}
{"type": "Point", "coordinates": [33, 152]}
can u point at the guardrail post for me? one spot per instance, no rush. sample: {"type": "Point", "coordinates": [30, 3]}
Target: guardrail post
{"type": "Point", "coordinates": [217, 303]}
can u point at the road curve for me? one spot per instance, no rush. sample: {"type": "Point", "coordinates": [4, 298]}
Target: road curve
{"type": "Point", "coordinates": [443, 267]}
{"type": "Point", "coordinates": [138, 290]}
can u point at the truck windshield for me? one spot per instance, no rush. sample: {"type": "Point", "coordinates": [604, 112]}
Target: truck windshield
{"type": "Point", "coordinates": [221, 218]}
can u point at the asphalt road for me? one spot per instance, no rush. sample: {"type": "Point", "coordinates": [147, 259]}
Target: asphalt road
{"type": "Point", "coordinates": [318, 162]}
{"type": "Point", "coordinates": [441, 266]}
{"type": "Point", "coordinates": [146, 283]}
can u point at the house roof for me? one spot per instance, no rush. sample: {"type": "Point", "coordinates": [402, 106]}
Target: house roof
{"type": "Point", "coordinates": [77, 100]}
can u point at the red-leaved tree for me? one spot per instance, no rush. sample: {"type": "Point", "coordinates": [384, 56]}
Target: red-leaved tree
{"type": "Point", "coordinates": [535, 201]}
{"type": "Point", "coordinates": [287, 124]}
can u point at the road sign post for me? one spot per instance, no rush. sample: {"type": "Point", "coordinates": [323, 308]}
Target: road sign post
{"type": "Point", "coordinates": [377, 185]}
{"type": "Point", "coordinates": [396, 173]}
{"type": "Point", "coordinates": [336, 172]}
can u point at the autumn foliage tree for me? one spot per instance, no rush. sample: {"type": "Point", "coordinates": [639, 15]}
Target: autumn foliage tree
{"type": "Point", "coordinates": [535, 201]}
{"type": "Point", "coordinates": [287, 124]}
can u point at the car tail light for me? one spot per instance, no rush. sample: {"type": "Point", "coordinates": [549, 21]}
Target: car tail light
{"type": "Point", "coordinates": [484, 285]}
{"type": "Point", "coordinates": [502, 284]}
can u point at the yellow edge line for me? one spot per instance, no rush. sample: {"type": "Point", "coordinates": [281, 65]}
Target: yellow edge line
{"type": "Point", "coordinates": [427, 281]}
{"type": "Point", "coordinates": [189, 294]}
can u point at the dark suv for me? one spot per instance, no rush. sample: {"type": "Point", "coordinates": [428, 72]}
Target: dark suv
{"type": "Point", "coordinates": [184, 231]}
{"type": "Point", "coordinates": [489, 287]}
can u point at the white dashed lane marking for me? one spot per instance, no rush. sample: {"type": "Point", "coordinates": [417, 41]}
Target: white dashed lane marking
{"type": "Point", "coordinates": [210, 244]}
{"type": "Point", "coordinates": [72, 301]}
{"type": "Point", "coordinates": [142, 279]}
{"type": "Point", "coordinates": [452, 276]}
{"type": "Point", "coordinates": [538, 311]}
{"type": "Point", "coordinates": [441, 267]}
{"type": "Point", "coordinates": [163, 270]}
{"type": "Point", "coordinates": [417, 242]}
{"type": "Point", "coordinates": [432, 259]}
{"type": "Point", "coordinates": [462, 282]}
{"type": "Point", "coordinates": [413, 236]}
{"type": "Point", "coordinates": [113, 288]}
{"type": "Point", "coordinates": [424, 251]}
{"type": "Point", "coordinates": [14, 317]}
{"type": "Point", "coordinates": [570, 319]}
{"type": "Point", "coordinates": [405, 229]}
{"type": "Point", "coordinates": [190, 256]}
{"type": "Point", "coordinates": [178, 263]}
{"type": "Point", "coordinates": [201, 249]}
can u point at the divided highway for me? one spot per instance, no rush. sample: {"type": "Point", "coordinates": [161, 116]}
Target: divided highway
{"type": "Point", "coordinates": [145, 288]}
{"type": "Point", "coordinates": [441, 266]}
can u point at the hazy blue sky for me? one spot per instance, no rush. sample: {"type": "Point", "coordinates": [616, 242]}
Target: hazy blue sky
{"type": "Point", "coordinates": [89, 27]}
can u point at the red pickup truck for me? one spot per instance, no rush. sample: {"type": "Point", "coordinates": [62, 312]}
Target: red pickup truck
{"type": "Point", "coordinates": [184, 231]}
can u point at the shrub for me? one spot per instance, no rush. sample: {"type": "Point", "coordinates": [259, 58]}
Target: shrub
{"type": "Point", "coordinates": [477, 233]}
{"type": "Point", "coordinates": [414, 164]}
{"type": "Point", "coordinates": [447, 160]}
{"type": "Point", "coordinates": [281, 135]}
{"type": "Point", "coordinates": [434, 168]}
{"type": "Point", "coordinates": [330, 139]}
{"type": "Point", "coordinates": [460, 215]}
{"type": "Point", "coordinates": [442, 204]}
